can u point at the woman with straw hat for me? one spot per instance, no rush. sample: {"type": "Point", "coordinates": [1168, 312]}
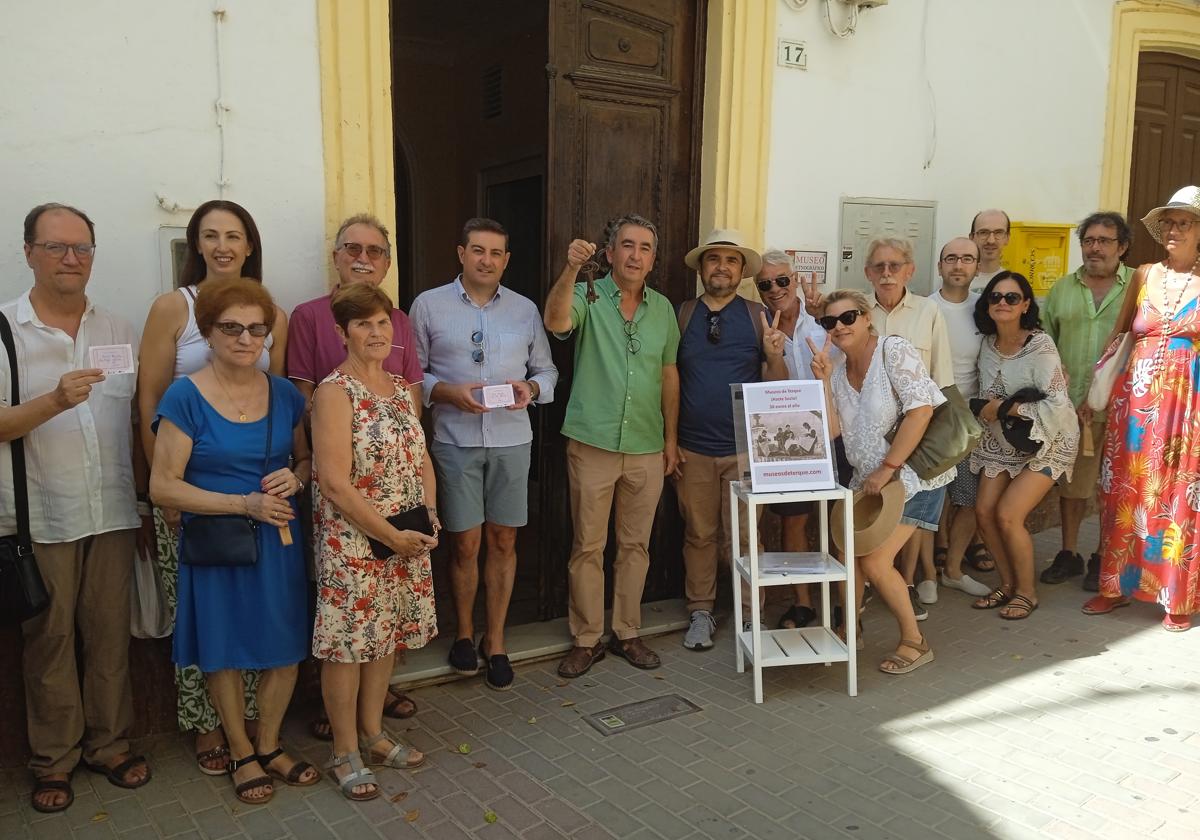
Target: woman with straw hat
{"type": "Point", "coordinates": [1150, 472]}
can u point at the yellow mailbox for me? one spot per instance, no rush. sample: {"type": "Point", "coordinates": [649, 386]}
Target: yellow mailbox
{"type": "Point", "coordinates": [1040, 251]}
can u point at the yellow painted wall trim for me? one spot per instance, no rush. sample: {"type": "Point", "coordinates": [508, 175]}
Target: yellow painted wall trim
{"type": "Point", "coordinates": [1138, 26]}
{"type": "Point", "coordinates": [356, 115]}
{"type": "Point", "coordinates": [738, 75]}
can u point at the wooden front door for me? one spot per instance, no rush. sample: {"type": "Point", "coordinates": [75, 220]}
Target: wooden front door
{"type": "Point", "coordinates": [1166, 141]}
{"type": "Point", "coordinates": [624, 136]}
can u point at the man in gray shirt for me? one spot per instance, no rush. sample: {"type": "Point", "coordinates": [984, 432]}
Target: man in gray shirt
{"type": "Point", "coordinates": [472, 333]}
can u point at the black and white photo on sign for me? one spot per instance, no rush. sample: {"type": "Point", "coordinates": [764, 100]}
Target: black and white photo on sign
{"type": "Point", "coordinates": [786, 436]}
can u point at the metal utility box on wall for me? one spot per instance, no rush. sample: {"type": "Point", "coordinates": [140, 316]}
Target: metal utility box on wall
{"type": "Point", "coordinates": [864, 219]}
{"type": "Point", "coordinates": [1038, 250]}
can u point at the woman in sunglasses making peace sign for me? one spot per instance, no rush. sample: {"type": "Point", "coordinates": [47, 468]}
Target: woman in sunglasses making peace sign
{"type": "Point", "coordinates": [1030, 434]}
{"type": "Point", "coordinates": [878, 385]}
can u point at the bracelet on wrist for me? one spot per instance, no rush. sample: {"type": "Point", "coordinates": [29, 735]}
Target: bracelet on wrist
{"type": "Point", "coordinates": [892, 467]}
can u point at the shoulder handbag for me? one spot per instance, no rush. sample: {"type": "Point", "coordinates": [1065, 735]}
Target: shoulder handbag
{"type": "Point", "coordinates": [225, 539]}
{"type": "Point", "coordinates": [22, 590]}
{"type": "Point", "coordinates": [950, 436]}
{"type": "Point", "coordinates": [1108, 370]}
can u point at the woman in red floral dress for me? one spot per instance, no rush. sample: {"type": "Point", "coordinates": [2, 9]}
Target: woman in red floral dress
{"type": "Point", "coordinates": [1150, 473]}
{"type": "Point", "coordinates": [370, 463]}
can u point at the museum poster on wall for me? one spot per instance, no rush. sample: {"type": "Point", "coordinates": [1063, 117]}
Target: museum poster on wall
{"type": "Point", "coordinates": [783, 436]}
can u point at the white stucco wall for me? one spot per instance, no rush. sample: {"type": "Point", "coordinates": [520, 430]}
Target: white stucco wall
{"type": "Point", "coordinates": [107, 103]}
{"type": "Point", "coordinates": [970, 103]}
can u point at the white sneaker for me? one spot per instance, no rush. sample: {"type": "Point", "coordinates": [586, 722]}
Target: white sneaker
{"type": "Point", "coordinates": [966, 584]}
{"type": "Point", "coordinates": [700, 631]}
{"type": "Point", "coordinates": [927, 591]}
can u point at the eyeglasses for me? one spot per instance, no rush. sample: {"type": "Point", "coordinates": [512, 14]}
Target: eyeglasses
{"type": "Point", "coordinates": [965, 259]}
{"type": "Point", "coordinates": [847, 318]}
{"type": "Point", "coordinates": [1165, 225]}
{"type": "Point", "coordinates": [1011, 298]}
{"type": "Point", "coordinates": [782, 281]}
{"type": "Point", "coordinates": [477, 353]}
{"type": "Point", "coordinates": [892, 267]}
{"type": "Point", "coordinates": [1103, 241]}
{"type": "Point", "coordinates": [631, 341]}
{"type": "Point", "coordinates": [234, 330]}
{"type": "Point", "coordinates": [354, 249]}
{"type": "Point", "coordinates": [714, 327]}
{"type": "Point", "coordinates": [989, 234]}
{"type": "Point", "coordinates": [58, 250]}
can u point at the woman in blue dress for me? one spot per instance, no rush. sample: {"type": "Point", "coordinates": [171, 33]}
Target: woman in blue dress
{"type": "Point", "coordinates": [212, 457]}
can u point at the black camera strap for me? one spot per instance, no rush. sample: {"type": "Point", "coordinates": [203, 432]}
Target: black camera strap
{"type": "Point", "coordinates": [17, 446]}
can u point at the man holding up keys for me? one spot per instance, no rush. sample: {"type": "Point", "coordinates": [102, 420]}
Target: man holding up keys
{"type": "Point", "coordinates": [621, 422]}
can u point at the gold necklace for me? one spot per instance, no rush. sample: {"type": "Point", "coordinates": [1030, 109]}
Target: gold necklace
{"type": "Point", "coordinates": [241, 411]}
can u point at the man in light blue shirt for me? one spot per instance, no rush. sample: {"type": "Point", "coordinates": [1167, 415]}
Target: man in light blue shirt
{"type": "Point", "coordinates": [470, 334]}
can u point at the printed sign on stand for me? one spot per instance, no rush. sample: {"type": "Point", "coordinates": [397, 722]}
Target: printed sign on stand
{"type": "Point", "coordinates": [783, 436]}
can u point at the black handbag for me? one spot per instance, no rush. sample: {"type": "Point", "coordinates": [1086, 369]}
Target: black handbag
{"type": "Point", "coordinates": [413, 519]}
{"type": "Point", "coordinates": [22, 590]}
{"type": "Point", "coordinates": [228, 539]}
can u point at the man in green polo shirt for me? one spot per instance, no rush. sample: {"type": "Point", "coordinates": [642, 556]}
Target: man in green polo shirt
{"type": "Point", "coordinates": [621, 421]}
{"type": "Point", "coordinates": [1079, 313]}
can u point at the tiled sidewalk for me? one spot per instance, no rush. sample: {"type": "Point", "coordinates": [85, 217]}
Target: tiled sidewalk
{"type": "Point", "coordinates": [1060, 726]}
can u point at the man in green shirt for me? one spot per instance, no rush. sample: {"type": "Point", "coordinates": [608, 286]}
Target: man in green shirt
{"type": "Point", "coordinates": [621, 421]}
{"type": "Point", "coordinates": [1079, 313]}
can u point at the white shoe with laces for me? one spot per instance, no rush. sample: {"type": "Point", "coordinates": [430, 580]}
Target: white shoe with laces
{"type": "Point", "coordinates": [966, 584]}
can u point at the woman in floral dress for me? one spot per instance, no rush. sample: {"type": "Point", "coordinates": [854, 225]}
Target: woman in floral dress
{"type": "Point", "coordinates": [370, 463]}
{"type": "Point", "coordinates": [1150, 473]}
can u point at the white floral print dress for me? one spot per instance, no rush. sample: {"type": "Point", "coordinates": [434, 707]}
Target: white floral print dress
{"type": "Point", "coordinates": [368, 608]}
{"type": "Point", "coordinates": [896, 381]}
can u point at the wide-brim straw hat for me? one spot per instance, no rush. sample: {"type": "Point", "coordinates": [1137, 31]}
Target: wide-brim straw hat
{"type": "Point", "coordinates": [726, 238]}
{"type": "Point", "coordinates": [875, 517]}
{"type": "Point", "coordinates": [1186, 199]}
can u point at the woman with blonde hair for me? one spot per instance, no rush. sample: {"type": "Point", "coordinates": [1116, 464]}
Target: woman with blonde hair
{"type": "Point", "coordinates": [878, 385]}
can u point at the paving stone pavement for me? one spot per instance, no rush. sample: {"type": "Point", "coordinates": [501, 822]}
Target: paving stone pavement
{"type": "Point", "coordinates": [1060, 726]}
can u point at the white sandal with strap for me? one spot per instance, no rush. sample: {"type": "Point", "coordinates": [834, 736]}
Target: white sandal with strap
{"type": "Point", "coordinates": [358, 775]}
{"type": "Point", "coordinates": [397, 756]}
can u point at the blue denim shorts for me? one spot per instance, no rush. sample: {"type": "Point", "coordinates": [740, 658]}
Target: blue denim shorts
{"type": "Point", "coordinates": [924, 509]}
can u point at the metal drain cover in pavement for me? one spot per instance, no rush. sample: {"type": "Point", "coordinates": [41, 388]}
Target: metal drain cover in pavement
{"type": "Point", "coordinates": [642, 713]}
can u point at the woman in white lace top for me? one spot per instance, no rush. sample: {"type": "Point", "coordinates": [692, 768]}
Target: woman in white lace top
{"type": "Point", "coordinates": [878, 383]}
{"type": "Point", "coordinates": [1019, 464]}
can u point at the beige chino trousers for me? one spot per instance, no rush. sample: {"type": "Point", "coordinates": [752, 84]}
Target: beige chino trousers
{"type": "Point", "coordinates": [597, 478]}
{"type": "Point", "coordinates": [703, 492]}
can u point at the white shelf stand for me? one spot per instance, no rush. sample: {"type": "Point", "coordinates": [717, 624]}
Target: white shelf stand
{"type": "Point", "coordinates": [801, 645]}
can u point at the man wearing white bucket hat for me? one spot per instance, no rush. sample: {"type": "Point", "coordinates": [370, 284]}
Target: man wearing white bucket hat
{"type": "Point", "coordinates": [724, 339]}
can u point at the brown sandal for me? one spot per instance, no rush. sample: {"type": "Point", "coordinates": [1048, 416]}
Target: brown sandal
{"type": "Point", "coordinates": [995, 599]}
{"type": "Point", "coordinates": [293, 776]}
{"type": "Point", "coordinates": [906, 663]}
{"type": "Point", "coordinates": [395, 701]}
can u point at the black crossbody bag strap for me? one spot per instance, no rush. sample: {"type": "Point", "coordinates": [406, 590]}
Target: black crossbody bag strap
{"type": "Point", "coordinates": [17, 446]}
{"type": "Point", "coordinates": [270, 415]}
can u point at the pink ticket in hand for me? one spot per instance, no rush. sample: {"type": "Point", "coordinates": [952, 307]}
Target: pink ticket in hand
{"type": "Point", "coordinates": [113, 359]}
{"type": "Point", "coordinates": [498, 396]}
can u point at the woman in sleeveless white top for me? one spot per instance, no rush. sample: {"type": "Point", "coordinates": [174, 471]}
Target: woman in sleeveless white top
{"type": "Point", "coordinates": [222, 242]}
